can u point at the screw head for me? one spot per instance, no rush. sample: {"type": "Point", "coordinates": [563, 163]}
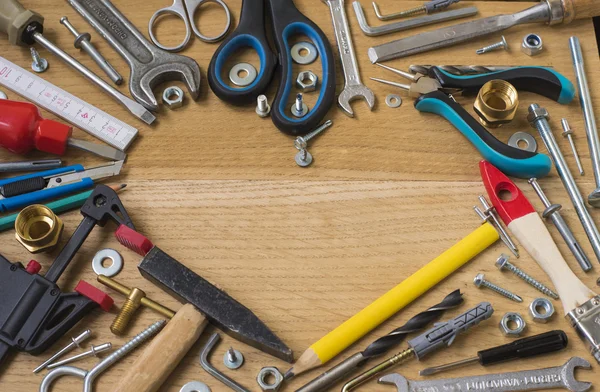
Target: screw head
{"type": "Point", "coordinates": [504, 43]}
{"type": "Point", "coordinates": [40, 66]}
{"type": "Point", "coordinates": [479, 280]}
{"type": "Point", "coordinates": [303, 161]}
{"type": "Point", "coordinates": [233, 359]}
{"type": "Point", "coordinates": [501, 261]}
{"type": "Point", "coordinates": [300, 114]}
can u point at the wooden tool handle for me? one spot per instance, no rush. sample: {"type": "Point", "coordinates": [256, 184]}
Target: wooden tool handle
{"type": "Point", "coordinates": [165, 352]}
{"type": "Point", "coordinates": [535, 238]}
{"type": "Point", "coordinates": [580, 9]}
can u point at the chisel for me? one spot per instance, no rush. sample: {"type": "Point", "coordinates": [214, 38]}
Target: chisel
{"type": "Point", "coordinates": [547, 11]}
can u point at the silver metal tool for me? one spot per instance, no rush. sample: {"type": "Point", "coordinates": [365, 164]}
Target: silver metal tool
{"type": "Point", "coordinates": [100, 150]}
{"type": "Point", "coordinates": [568, 133]}
{"type": "Point", "coordinates": [204, 362]}
{"type": "Point", "coordinates": [584, 319]}
{"type": "Point", "coordinates": [75, 342]}
{"type": "Point", "coordinates": [497, 46]}
{"type": "Point", "coordinates": [92, 352]}
{"type": "Point", "coordinates": [149, 65]}
{"type": "Point", "coordinates": [501, 233]}
{"type": "Point", "coordinates": [262, 106]}
{"type": "Point", "coordinates": [24, 166]}
{"type": "Point", "coordinates": [480, 281]}
{"type": "Point", "coordinates": [538, 118]}
{"type": "Point", "coordinates": [353, 87]}
{"type": "Point", "coordinates": [552, 212]}
{"type": "Point", "coordinates": [70, 108]}
{"type": "Point", "coordinates": [133, 107]}
{"type": "Point", "coordinates": [303, 157]}
{"type": "Point", "coordinates": [560, 377]}
{"type": "Point", "coordinates": [428, 8]}
{"type": "Point", "coordinates": [82, 41]}
{"type": "Point", "coordinates": [591, 130]}
{"type": "Point", "coordinates": [409, 23]}
{"type": "Point", "coordinates": [233, 359]}
{"type": "Point", "coordinates": [550, 12]}
{"type": "Point", "coordinates": [38, 63]}
{"type": "Point", "coordinates": [459, 69]}
{"type": "Point", "coordinates": [90, 376]}
{"type": "Point", "coordinates": [503, 263]}
{"type": "Point", "coordinates": [490, 211]}
{"type": "Point", "coordinates": [299, 108]}
{"type": "Point", "coordinates": [185, 10]}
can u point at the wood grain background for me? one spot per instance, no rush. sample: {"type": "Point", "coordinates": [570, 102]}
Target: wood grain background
{"type": "Point", "coordinates": [217, 188]}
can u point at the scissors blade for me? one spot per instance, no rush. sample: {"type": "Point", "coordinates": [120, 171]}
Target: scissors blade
{"type": "Point", "coordinates": [96, 173]}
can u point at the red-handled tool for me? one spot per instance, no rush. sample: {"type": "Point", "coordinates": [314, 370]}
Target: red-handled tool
{"type": "Point", "coordinates": [580, 304]}
{"type": "Point", "coordinates": [23, 129]}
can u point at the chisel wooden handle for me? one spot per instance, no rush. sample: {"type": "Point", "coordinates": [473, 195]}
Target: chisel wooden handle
{"type": "Point", "coordinates": [165, 352]}
{"type": "Point", "coordinates": [580, 9]}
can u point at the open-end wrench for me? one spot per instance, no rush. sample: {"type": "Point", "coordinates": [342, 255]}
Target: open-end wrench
{"type": "Point", "coordinates": [530, 380]}
{"type": "Point", "coordinates": [353, 88]}
{"type": "Point", "coordinates": [149, 65]}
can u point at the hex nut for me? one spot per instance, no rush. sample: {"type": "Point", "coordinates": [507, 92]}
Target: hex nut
{"type": "Point", "coordinates": [307, 81]}
{"type": "Point", "coordinates": [537, 315]}
{"type": "Point", "coordinates": [264, 374]}
{"type": "Point", "coordinates": [37, 228]}
{"type": "Point", "coordinates": [515, 318]}
{"type": "Point", "coordinates": [497, 103]}
{"type": "Point", "coordinates": [173, 97]}
{"type": "Point", "coordinates": [532, 45]}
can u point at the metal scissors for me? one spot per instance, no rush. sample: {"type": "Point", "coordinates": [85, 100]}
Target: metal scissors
{"type": "Point", "coordinates": [286, 21]}
{"type": "Point", "coordinates": [185, 10]}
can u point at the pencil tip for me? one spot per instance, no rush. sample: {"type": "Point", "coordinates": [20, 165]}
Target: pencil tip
{"type": "Point", "coordinates": [289, 374]}
{"type": "Point", "coordinates": [123, 186]}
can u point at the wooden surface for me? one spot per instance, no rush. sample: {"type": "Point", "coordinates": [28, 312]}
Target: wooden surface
{"type": "Point", "coordinates": [217, 187]}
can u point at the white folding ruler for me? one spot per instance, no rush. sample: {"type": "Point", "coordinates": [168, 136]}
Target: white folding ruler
{"type": "Point", "coordinates": [66, 106]}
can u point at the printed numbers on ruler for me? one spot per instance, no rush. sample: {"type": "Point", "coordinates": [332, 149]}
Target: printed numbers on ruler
{"type": "Point", "coordinates": [70, 108]}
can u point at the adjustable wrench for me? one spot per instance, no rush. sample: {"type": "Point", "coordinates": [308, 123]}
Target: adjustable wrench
{"type": "Point", "coordinates": [149, 65]}
{"type": "Point", "coordinates": [560, 377]}
{"type": "Point", "coordinates": [353, 88]}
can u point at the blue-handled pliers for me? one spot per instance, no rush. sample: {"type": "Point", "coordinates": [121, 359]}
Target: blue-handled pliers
{"type": "Point", "coordinates": [21, 191]}
{"type": "Point", "coordinates": [433, 92]}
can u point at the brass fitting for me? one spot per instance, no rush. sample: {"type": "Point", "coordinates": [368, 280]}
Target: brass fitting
{"type": "Point", "coordinates": [37, 228]}
{"type": "Point", "coordinates": [135, 299]}
{"type": "Point", "coordinates": [496, 103]}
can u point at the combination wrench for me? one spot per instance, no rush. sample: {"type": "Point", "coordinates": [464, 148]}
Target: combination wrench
{"type": "Point", "coordinates": [149, 65]}
{"type": "Point", "coordinates": [560, 377]}
{"type": "Point", "coordinates": [353, 88]}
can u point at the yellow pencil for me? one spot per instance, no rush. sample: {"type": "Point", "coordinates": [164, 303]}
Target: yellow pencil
{"type": "Point", "coordinates": [394, 300]}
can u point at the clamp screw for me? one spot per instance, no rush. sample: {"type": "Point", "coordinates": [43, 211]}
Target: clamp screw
{"type": "Point", "coordinates": [502, 263]}
{"type": "Point", "coordinates": [233, 359]}
{"type": "Point", "coordinates": [497, 46]}
{"type": "Point", "coordinates": [480, 281]}
{"type": "Point", "coordinates": [39, 64]}
{"type": "Point", "coordinates": [262, 106]}
{"type": "Point", "coordinates": [299, 109]}
{"type": "Point", "coordinates": [568, 133]}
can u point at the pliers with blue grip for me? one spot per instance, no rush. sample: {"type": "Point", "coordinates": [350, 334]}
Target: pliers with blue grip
{"type": "Point", "coordinates": [286, 21]}
{"type": "Point", "coordinates": [433, 97]}
{"type": "Point", "coordinates": [22, 191]}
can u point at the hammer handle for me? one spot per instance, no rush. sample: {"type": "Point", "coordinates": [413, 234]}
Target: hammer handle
{"type": "Point", "coordinates": [165, 352]}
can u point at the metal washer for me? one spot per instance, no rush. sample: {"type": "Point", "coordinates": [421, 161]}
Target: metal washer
{"type": "Point", "coordinates": [246, 80]}
{"type": "Point", "coordinates": [309, 58]}
{"type": "Point", "coordinates": [195, 386]}
{"type": "Point", "coordinates": [393, 101]}
{"type": "Point", "coordinates": [527, 138]}
{"type": "Point", "coordinates": [114, 269]}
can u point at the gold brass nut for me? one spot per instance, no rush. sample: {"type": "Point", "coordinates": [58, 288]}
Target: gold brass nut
{"type": "Point", "coordinates": [37, 228]}
{"type": "Point", "coordinates": [496, 103]}
{"type": "Point", "coordinates": [532, 45]}
{"type": "Point", "coordinates": [134, 301]}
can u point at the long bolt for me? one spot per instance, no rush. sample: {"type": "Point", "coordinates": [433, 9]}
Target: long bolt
{"type": "Point", "coordinates": [585, 100]}
{"type": "Point", "coordinates": [552, 212]}
{"type": "Point", "coordinates": [491, 211]}
{"type": "Point", "coordinates": [538, 117]}
{"type": "Point", "coordinates": [92, 352]}
{"type": "Point", "coordinates": [69, 347]}
{"type": "Point", "coordinates": [497, 46]}
{"type": "Point", "coordinates": [82, 41]}
{"type": "Point", "coordinates": [503, 263]}
{"type": "Point", "coordinates": [568, 133]}
{"type": "Point", "coordinates": [480, 281]}
{"type": "Point", "coordinates": [39, 64]}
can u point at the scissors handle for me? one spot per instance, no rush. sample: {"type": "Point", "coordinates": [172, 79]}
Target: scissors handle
{"type": "Point", "coordinates": [249, 33]}
{"type": "Point", "coordinates": [176, 9]}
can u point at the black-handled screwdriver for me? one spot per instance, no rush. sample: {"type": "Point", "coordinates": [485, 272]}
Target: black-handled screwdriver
{"type": "Point", "coordinates": [547, 342]}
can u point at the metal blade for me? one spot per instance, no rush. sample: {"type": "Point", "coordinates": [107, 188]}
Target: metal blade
{"type": "Point", "coordinates": [96, 173]}
{"type": "Point", "coordinates": [456, 34]}
{"type": "Point", "coordinates": [222, 310]}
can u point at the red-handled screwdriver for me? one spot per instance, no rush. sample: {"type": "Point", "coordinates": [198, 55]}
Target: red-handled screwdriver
{"type": "Point", "coordinates": [532, 346]}
{"type": "Point", "coordinates": [23, 129]}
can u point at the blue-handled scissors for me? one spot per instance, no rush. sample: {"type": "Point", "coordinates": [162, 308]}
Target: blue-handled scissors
{"type": "Point", "coordinates": [21, 191]}
{"type": "Point", "coordinates": [286, 21]}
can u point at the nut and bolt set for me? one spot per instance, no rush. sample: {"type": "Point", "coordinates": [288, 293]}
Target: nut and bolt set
{"type": "Point", "coordinates": [41, 312]}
